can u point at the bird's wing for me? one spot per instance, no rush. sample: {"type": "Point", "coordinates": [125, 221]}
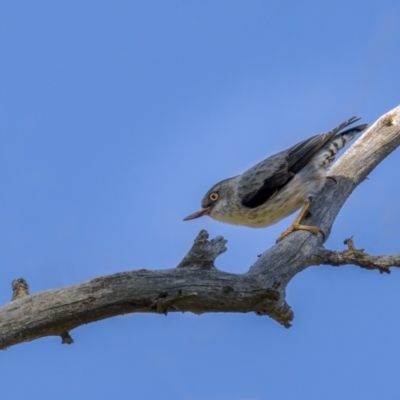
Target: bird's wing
{"type": "Point", "coordinates": [263, 181]}
{"type": "Point", "coordinates": [301, 154]}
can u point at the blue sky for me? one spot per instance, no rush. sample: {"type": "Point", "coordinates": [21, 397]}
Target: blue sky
{"type": "Point", "coordinates": [116, 117]}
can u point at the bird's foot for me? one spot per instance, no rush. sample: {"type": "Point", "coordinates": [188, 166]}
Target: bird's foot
{"type": "Point", "coordinates": [298, 227]}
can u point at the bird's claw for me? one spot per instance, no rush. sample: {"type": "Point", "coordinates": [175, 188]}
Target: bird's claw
{"type": "Point", "coordinates": [298, 227]}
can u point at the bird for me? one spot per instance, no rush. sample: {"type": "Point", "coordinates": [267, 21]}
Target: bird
{"type": "Point", "coordinates": [279, 185]}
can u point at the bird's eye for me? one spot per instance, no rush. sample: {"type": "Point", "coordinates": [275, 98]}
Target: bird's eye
{"type": "Point", "coordinates": [214, 196]}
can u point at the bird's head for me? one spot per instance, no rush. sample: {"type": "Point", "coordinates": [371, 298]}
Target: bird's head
{"type": "Point", "coordinates": [216, 200]}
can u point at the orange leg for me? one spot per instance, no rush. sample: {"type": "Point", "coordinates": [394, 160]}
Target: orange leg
{"type": "Point", "coordinates": [296, 224]}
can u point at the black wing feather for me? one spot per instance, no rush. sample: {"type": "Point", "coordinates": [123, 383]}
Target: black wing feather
{"type": "Point", "coordinates": [261, 182]}
{"type": "Point", "coordinates": [302, 153]}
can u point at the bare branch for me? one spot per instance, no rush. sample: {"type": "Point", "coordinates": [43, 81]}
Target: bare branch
{"type": "Point", "coordinates": [358, 257]}
{"type": "Point", "coordinates": [66, 338]}
{"type": "Point", "coordinates": [203, 252]}
{"type": "Point", "coordinates": [196, 285]}
{"type": "Point", "coordinates": [194, 289]}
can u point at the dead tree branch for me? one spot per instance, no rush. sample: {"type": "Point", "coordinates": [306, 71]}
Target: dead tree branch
{"type": "Point", "coordinates": [196, 285]}
{"type": "Point", "coordinates": [353, 256]}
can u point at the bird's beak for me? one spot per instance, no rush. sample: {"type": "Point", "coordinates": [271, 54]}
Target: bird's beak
{"type": "Point", "coordinates": [198, 214]}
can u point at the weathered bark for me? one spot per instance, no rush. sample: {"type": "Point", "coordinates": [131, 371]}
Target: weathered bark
{"type": "Point", "coordinates": [196, 285]}
{"type": "Point", "coordinates": [358, 257]}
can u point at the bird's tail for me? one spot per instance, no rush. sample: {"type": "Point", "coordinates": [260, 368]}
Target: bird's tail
{"type": "Point", "coordinates": [329, 151]}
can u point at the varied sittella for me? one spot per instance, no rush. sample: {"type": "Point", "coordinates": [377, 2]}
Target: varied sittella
{"type": "Point", "coordinates": [279, 185]}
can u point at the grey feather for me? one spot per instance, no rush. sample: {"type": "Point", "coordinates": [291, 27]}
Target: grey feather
{"type": "Point", "coordinates": [267, 178]}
